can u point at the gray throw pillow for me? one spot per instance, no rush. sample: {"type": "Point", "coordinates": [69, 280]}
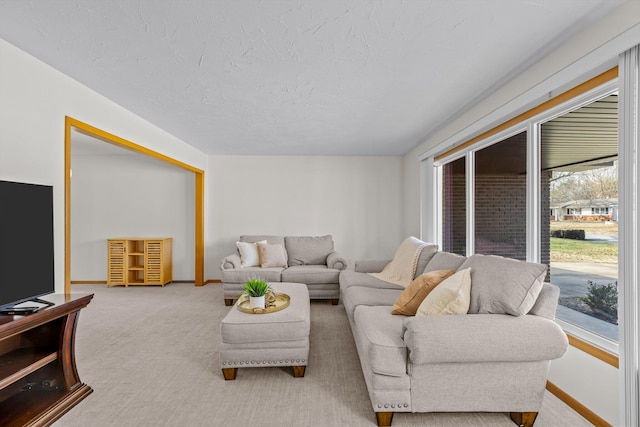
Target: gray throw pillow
{"type": "Point", "coordinates": [503, 285]}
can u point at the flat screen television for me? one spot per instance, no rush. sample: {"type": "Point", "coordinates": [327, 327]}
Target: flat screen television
{"type": "Point", "coordinates": [26, 243]}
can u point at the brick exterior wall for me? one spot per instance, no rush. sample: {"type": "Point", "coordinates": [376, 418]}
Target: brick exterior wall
{"type": "Point", "coordinates": [454, 208]}
{"type": "Point", "coordinates": [500, 214]}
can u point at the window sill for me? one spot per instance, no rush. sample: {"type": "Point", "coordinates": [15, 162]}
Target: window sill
{"type": "Point", "coordinates": [592, 344]}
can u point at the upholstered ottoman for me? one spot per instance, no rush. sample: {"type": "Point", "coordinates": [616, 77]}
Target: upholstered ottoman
{"type": "Point", "coordinates": [268, 340]}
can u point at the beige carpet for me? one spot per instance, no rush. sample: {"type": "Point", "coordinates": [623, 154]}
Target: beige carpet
{"type": "Point", "coordinates": [151, 356]}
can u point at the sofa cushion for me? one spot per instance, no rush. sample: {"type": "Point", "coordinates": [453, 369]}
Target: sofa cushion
{"type": "Point", "coordinates": [383, 338]}
{"type": "Point", "coordinates": [503, 285]}
{"type": "Point", "coordinates": [357, 295]}
{"type": "Point", "coordinates": [310, 274]}
{"type": "Point", "coordinates": [308, 250]}
{"type": "Point", "coordinates": [445, 261]}
{"type": "Point", "coordinates": [244, 274]}
{"type": "Point", "coordinates": [452, 296]}
{"type": "Point", "coordinates": [409, 300]}
{"type": "Point", "coordinates": [271, 255]}
{"type": "Point", "coordinates": [350, 278]}
{"type": "Point", "coordinates": [478, 338]}
{"type": "Point", "coordinates": [249, 256]}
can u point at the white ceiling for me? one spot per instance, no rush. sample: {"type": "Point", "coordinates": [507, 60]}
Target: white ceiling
{"type": "Point", "coordinates": [286, 77]}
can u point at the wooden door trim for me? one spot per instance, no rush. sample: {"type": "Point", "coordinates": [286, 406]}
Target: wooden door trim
{"type": "Point", "coordinates": [121, 142]}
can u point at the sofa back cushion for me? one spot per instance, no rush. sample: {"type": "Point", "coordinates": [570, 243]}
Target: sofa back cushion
{"type": "Point", "coordinates": [503, 285]}
{"type": "Point", "coordinates": [308, 250]}
{"type": "Point", "coordinates": [427, 253]}
{"type": "Point", "coordinates": [272, 240]}
{"type": "Point", "coordinates": [444, 261]}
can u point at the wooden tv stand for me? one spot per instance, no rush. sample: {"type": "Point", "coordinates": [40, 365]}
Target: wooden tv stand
{"type": "Point", "coordinates": [39, 381]}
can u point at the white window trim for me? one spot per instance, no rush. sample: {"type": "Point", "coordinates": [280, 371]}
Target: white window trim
{"type": "Point", "coordinates": [533, 219]}
{"type": "Point", "coordinates": [629, 235]}
{"type": "Point", "coordinates": [470, 164]}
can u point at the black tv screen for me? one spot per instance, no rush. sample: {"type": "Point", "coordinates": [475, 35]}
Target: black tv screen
{"type": "Point", "coordinates": [26, 242]}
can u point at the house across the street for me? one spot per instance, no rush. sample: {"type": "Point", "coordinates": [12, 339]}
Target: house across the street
{"type": "Point", "coordinates": [585, 210]}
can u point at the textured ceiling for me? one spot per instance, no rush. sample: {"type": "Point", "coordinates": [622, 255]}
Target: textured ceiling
{"type": "Point", "coordinates": [325, 77]}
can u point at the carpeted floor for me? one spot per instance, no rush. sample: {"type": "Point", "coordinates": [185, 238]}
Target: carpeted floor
{"type": "Point", "coordinates": [151, 356]}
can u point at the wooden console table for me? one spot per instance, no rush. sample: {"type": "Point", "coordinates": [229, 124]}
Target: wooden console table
{"type": "Point", "coordinates": [39, 381]}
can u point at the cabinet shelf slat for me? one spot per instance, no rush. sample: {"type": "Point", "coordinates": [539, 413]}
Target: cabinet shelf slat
{"type": "Point", "coordinates": [19, 363]}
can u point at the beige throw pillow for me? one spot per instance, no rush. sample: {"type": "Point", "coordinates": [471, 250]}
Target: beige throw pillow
{"type": "Point", "coordinates": [411, 298]}
{"type": "Point", "coordinates": [452, 296]}
{"type": "Point", "coordinates": [271, 255]}
{"type": "Point", "coordinates": [249, 256]}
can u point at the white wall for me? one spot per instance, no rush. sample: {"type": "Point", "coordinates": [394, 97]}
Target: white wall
{"type": "Point", "coordinates": [129, 195]}
{"type": "Point", "coordinates": [34, 100]}
{"type": "Point", "coordinates": [358, 200]}
{"type": "Point", "coordinates": [592, 382]}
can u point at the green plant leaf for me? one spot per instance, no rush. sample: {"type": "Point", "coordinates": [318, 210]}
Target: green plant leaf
{"type": "Point", "coordinates": [256, 287]}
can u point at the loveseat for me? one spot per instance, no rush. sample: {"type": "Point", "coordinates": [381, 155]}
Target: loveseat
{"type": "Point", "coordinates": [311, 260]}
{"type": "Point", "coordinates": [495, 358]}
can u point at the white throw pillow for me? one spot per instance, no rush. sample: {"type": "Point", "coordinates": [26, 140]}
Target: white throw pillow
{"type": "Point", "coordinates": [451, 296]}
{"type": "Point", "coordinates": [249, 256]}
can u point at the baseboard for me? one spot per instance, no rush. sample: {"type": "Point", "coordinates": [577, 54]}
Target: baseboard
{"type": "Point", "coordinates": [588, 414]}
{"type": "Point", "coordinates": [88, 282]}
{"type": "Point", "coordinates": [104, 282]}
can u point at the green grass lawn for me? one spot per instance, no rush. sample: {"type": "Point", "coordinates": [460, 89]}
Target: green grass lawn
{"type": "Point", "coordinates": [568, 250]}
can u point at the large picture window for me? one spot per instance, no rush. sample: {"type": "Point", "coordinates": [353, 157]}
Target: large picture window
{"type": "Point", "coordinates": [563, 213]}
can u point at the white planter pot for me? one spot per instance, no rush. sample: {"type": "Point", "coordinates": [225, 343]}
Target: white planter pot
{"type": "Point", "coordinates": [256, 302]}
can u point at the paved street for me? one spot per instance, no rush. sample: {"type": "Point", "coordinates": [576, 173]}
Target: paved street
{"type": "Point", "coordinates": [572, 277]}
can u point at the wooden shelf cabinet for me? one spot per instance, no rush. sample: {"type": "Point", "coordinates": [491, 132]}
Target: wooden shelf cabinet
{"type": "Point", "coordinates": [39, 380]}
{"type": "Point", "coordinates": [139, 261]}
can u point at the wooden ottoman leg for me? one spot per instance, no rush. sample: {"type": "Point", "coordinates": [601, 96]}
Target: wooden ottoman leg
{"type": "Point", "coordinates": [384, 419]}
{"type": "Point", "coordinates": [229, 373]}
{"type": "Point", "coordinates": [298, 371]}
{"type": "Point", "coordinates": [334, 301]}
{"type": "Point", "coordinates": [228, 302]}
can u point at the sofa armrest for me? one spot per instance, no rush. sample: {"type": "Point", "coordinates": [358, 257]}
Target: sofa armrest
{"type": "Point", "coordinates": [231, 262]}
{"type": "Point", "coordinates": [371, 265]}
{"type": "Point", "coordinates": [336, 261]}
{"type": "Point", "coordinates": [483, 338]}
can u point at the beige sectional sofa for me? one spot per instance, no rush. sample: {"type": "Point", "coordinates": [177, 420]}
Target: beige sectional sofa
{"type": "Point", "coordinates": [493, 359]}
{"type": "Point", "coordinates": [311, 260]}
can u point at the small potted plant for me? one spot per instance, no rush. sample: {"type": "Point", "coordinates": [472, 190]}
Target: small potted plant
{"type": "Point", "coordinates": [256, 289]}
